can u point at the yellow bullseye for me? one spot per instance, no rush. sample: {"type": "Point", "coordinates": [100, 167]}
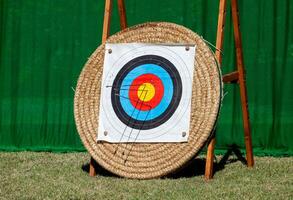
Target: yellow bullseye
{"type": "Point", "coordinates": [146, 92]}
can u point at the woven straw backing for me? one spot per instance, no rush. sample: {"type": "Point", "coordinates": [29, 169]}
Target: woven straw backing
{"type": "Point", "coordinates": [145, 161]}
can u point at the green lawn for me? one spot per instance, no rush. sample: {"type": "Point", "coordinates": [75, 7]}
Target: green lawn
{"type": "Point", "coordinates": [30, 175]}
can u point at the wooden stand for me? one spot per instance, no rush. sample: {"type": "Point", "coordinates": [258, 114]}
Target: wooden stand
{"type": "Point", "coordinates": [237, 76]}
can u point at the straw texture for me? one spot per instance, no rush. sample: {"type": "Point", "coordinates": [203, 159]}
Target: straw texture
{"type": "Point", "coordinates": [144, 161]}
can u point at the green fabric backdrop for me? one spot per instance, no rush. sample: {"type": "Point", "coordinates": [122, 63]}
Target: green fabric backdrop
{"type": "Point", "coordinates": [45, 43]}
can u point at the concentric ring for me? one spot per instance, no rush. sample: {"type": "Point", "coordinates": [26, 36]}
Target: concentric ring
{"type": "Point", "coordinates": [134, 116]}
{"type": "Point", "coordinates": [146, 92]}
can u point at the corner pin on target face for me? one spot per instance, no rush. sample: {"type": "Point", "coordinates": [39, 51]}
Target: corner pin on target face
{"type": "Point", "coordinates": [146, 93]}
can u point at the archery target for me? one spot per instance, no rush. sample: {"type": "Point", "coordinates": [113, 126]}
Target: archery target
{"type": "Point", "coordinates": [95, 116]}
{"type": "Point", "coordinates": [146, 93]}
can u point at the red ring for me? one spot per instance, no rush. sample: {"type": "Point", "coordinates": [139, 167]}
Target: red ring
{"type": "Point", "coordinates": [159, 92]}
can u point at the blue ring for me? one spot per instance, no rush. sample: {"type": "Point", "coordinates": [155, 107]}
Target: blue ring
{"type": "Point", "coordinates": [164, 103]}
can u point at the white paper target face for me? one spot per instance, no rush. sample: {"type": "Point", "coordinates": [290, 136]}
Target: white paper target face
{"type": "Point", "coordinates": [146, 93]}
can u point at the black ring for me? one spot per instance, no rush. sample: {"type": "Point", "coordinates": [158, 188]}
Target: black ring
{"type": "Point", "coordinates": [166, 115]}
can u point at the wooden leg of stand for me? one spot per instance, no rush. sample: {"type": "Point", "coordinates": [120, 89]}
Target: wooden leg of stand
{"type": "Point", "coordinates": [209, 169]}
{"type": "Point", "coordinates": [106, 32]}
{"type": "Point", "coordinates": [220, 30]}
{"type": "Point", "coordinates": [247, 134]}
{"type": "Point", "coordinates": [242, 85]}
{"type": "Point", "coordinates": [122, 14]}
{"type": "Point", "coordinates": [92, 170]}
{"type": "Point", "coordinates": [107, 20]}
{"type": "Point", "coordinates": [246, 123]}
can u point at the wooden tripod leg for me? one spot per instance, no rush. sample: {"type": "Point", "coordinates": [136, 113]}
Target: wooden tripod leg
{"type": "Point", "coordinates": [106, 32]}
{"type": "Point", "coordinates": [122, 14]}
{"type": "Point", "coordinates": [220, 30]}
{"type": "Point", "coordinates": [92, 169]}
{"type": "Point", "coordinates": [107, 20]}
{"type": "Point", "coordinates": [242, 85]}
{"type": "Point", "coordinates": [209, 168]}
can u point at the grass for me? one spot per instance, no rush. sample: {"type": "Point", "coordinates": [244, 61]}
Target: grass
{"type": "Point", "coordinates": [31, 175]}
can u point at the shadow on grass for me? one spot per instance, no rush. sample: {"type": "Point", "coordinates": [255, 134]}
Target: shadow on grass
{"type": "Point", "coordinates": [100, 171]}
{"type": "Point", "coordinates": [195, 167]}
